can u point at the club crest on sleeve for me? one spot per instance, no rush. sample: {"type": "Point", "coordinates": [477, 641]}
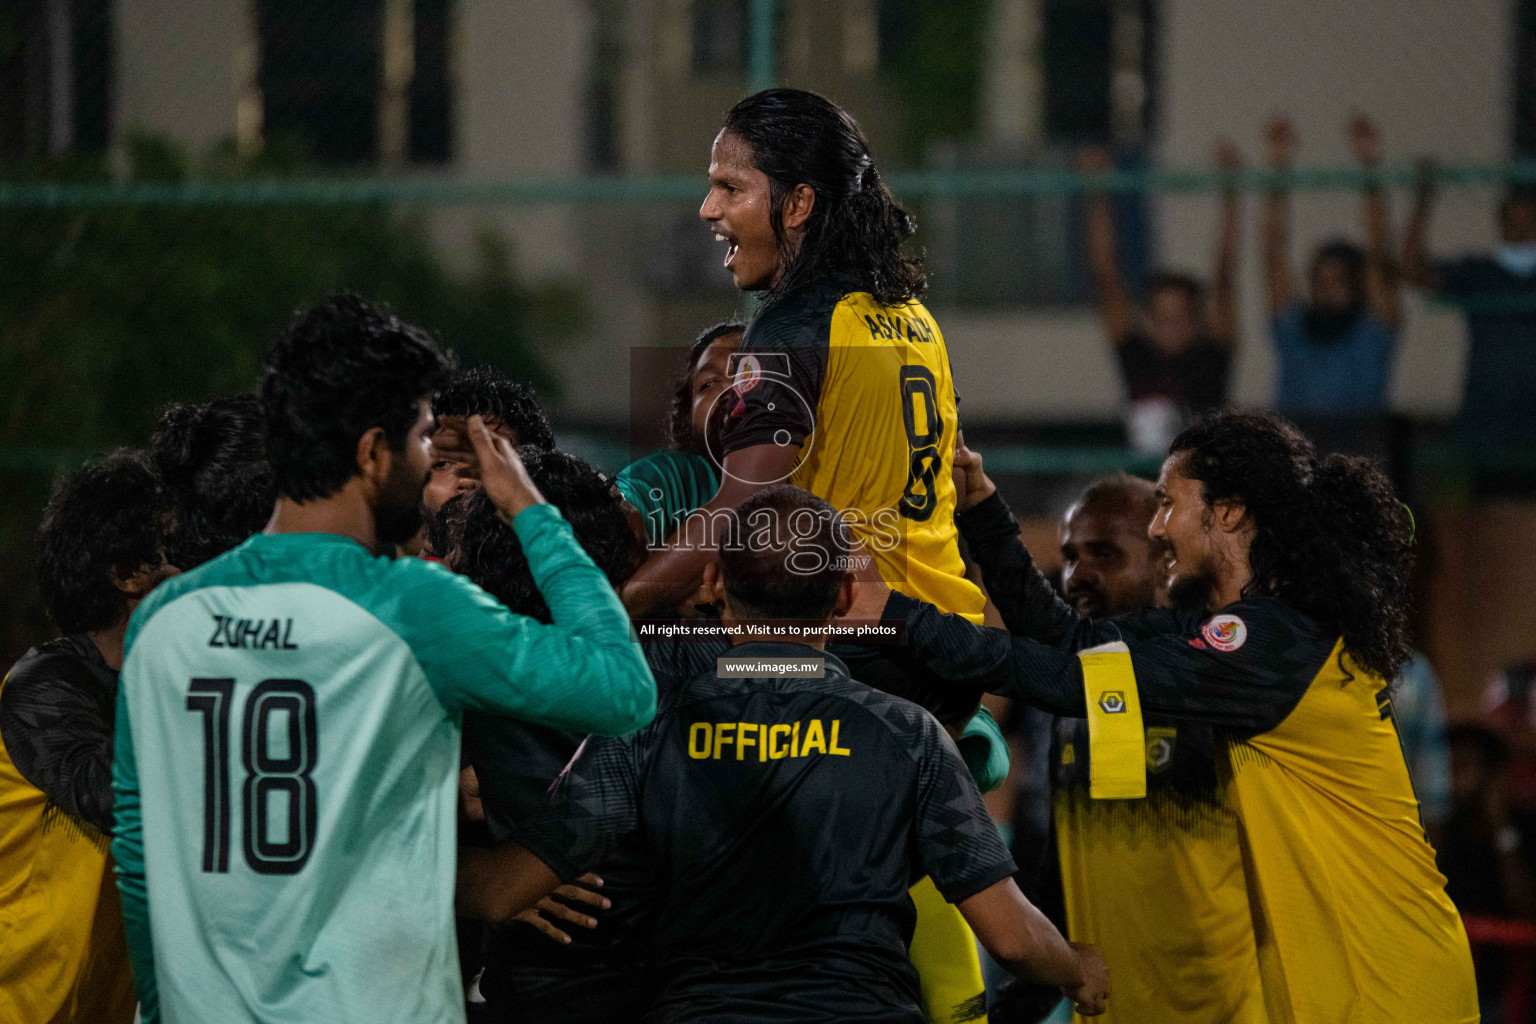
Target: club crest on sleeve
{"type": "Point", "coordinates": [749, 373]}
{"type": "Point", "coordinates": [1225, 632]}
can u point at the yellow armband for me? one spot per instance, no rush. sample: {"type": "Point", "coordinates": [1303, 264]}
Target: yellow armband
{"type": "Point", "coordinates": [1117, 744]}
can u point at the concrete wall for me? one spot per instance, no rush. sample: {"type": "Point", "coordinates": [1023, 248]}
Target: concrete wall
{"type": "Point", "coordinates": [1437, 78]}
{"type": "Point", "coordinates": [180, 67]}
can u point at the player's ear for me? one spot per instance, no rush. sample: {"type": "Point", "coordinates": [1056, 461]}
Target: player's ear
{"type": "Point", "coordinates": [798, 206]}
{"type": "Point", "coordinates": [373, 454]}
{"type": "Point", "coordinates": [1229, 515]}
{"type": "Point", "coordinates": [714, 586]}
{"type": "Point", "coordinates": [845, 596]}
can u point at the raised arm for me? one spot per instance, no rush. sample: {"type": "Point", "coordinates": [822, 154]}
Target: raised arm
{"type": "Point", "coordinates": [1221, 319]}
{"type": "Point", "coordinates": [1279, 285]}
{"type": "Point", "coordinates": [582, 672]}
{"type": "Point", "coordinates": [1381, 291]}
{"type": "Point", "coordinates": [1417, 266]}
{"type": "Point", "coordinates": [675, 571]}
{"type": "Point", "coordinates": [1103, 257]}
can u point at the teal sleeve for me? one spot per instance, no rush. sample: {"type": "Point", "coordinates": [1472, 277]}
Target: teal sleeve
{"type": "Point", "coordinates": [583, 672]}
{"type": "Point", "coordinates": [985, 751]}
{"type": "Point", "coordinates": [128, 857]}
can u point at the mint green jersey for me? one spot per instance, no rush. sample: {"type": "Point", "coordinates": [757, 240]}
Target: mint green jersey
{"type": "Point", "coordinates": [286, 764]}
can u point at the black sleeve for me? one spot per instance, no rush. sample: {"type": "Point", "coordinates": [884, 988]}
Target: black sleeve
{"type": "Point", "coordinates": [1030, 606]}
{"type": "Point", "coordinates": [1023, 596]}
{"type": "Point", "coordinates": [516, 763]}
{"type": "Point", "coordinates": [594, 804]}
{"type": "Point", "coordinates": [1248, 689]}
{"type": "Point", "coordinates": [779, 372]}
{"type": "Point", "coordinates": [957, 844]}
{"type": "Point", "coordinates": [59, 736]}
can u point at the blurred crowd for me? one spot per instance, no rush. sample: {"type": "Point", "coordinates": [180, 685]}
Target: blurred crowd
{"type": "Point", "coordinates": [1336, 328]}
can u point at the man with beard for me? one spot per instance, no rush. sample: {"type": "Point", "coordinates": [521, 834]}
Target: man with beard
{"type": "Point", "coordinates": [313, 879]}
{"type": "Point", "coordinates": [1297, 571]}
{"type": "Point", "coordinates": [1156, 883]}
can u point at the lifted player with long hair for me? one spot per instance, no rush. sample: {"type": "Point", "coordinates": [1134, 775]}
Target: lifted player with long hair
{"type": "Point", "coordinates": [841, 386]}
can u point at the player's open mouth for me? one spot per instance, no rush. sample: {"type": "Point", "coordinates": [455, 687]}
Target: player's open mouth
{"type": "Point", "coordinates": [730, 252]}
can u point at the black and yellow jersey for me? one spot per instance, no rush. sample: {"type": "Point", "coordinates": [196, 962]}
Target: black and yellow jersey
{"type": "Point", "coordinates": [864, 391]}
{"type": "Point", "coordinates": [65, 958]}
{"type": "Point", "coordinates": [783, 873]}
{"type": "Point", "coordinates": [1349, 913]}
{"type": "Point", "coordinates": [1157, 883]}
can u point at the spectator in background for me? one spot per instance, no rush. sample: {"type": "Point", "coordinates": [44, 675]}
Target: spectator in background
{"type": "Point", "coordinates": [101, 549]}
{"type": "Point", "coordinates": [1335, 346]}
{"type": "Point", "coordinates": [1420, 715]}
{"type": "Point", "coordinates": [1496, 293]}
{"type": "Point", "coordinates": [1175, 353]}
{"type": "Point", "coordinates": [1510, 702]}
{"type": "Point", "coordinates": [1485, 855]}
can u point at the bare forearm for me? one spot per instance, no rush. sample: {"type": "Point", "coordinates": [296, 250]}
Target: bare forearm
{"type": "Point", "coordinates": [1277, 270]}
{"type": "Point", "coordinates": [1417, 267]}
{"type": "Point", "coordinates": [1020, 938]}
{"type": "Point", "coordinates": [500, 883]}
{"type": "Point", "coordinates": [1380, 275]}
{"type": "Point", "coordinates": [1223, 326]}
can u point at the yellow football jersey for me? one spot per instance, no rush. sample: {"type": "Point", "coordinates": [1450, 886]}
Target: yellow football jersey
{"type": "Point", "coordinates": [865, 393]}
{"type": "Point", "coordinates": [1157, 883]}
{"type": "Point", "coordinates": [1350, 917]}
{"type": "Point", "coordinates": [63, 952]}
{"type": "Point", "coordinates": [1350, 911]}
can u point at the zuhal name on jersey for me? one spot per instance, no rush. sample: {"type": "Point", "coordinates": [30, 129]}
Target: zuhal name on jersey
{"type": "Point", "coordinates": [253, 634]}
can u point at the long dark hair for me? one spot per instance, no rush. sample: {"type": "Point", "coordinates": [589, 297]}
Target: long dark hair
{"type": "Point", "coordinates": [855, 227]}
{"type": "Point", "coordinates": [1331, 537]}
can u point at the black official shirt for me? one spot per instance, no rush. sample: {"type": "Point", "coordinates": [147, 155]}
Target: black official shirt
{"type": "Point", "coordinates": [601, 973]}
{"type": "Point", "coordinates": [784, 820]}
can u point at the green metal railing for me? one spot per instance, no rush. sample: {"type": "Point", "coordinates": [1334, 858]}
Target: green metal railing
{"type": "Point", "coordinates": [587, 190]}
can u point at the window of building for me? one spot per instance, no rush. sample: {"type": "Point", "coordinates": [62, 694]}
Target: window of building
{"type": "Point", "coordinates": [1097, 70]}
{"type": "Point", "coordinates": [55, 78]}
{"type": "Point", "coordinates": [1525, 79]}
{"type": "Point", "coordinates": [431, 93]}
{"type": "Point", "coordinates": [719, 35]}
{"type": "Point", "coordinates": [320, 73]}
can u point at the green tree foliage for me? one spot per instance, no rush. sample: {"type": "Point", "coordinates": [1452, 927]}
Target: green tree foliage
{"type": "Point", "coordinates": [108, 314]}
{"type": "Point", "coordinates": [935, 59]}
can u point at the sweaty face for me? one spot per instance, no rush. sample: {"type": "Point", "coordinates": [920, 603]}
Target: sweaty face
{"type": "Point", "coordinates": [737, 209]}
{"type": "Point", "coordinates": [1172, 321]}
{"type": "Point", "coordinates": [1183, 523]}
{"type": "Point", "coordinates": [397, 504]}
{"type": "Point", "coordinates": [453, 460]}
{"type": "Point", "coordinates": [1109, 565]}
{"type": "Point", "coordinates": [710, 377]}
{"type": "Point", "coordinates": [1333, 290]}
